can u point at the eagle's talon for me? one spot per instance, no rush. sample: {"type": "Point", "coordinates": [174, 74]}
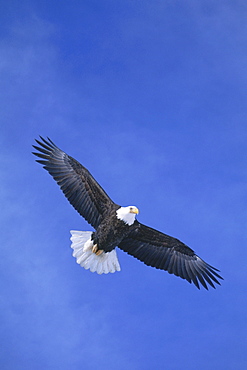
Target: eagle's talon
{"type": "Point", "coordinates": [95, 248]}
{"type": "Point", "coordinates": [97, 251]}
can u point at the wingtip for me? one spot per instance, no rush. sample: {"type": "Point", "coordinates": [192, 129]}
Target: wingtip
{"type": "Point", "coordinates": [43, 139]}
{"type": "Point", "coordinates": [43, 143]}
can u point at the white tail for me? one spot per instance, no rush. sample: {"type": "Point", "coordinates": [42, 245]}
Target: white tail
{"type": "Point", "coordinates": [82, 246]}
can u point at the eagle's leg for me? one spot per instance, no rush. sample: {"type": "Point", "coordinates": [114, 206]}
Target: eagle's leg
{"type": "Point", "coordinates": [97, 251]}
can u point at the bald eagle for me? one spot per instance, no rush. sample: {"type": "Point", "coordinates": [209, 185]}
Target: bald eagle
{"type": "Point", "coordinates": [117, 226]}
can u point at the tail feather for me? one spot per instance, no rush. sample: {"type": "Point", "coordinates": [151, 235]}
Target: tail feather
{"type": "Point", "coordinates": [82, 250]}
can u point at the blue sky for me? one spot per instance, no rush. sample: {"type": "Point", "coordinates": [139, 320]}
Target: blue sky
{"type": "Point", "coordinates": [151, 97]}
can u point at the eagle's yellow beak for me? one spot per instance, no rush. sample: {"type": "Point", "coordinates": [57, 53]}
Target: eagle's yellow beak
{"type": "Point", "coordinates": [134, 210]}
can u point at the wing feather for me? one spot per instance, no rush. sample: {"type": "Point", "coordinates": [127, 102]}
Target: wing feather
{"type": "Point", "coordinates": [167, 253]}
{"type": "Point", "coordinates": [76, 182]}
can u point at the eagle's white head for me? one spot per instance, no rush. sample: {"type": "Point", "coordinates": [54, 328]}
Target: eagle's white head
{"type": "Point", "coordinates": [127, 214]}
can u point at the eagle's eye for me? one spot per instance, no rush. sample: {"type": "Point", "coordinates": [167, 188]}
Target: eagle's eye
{"type": "Point", "coordinates": [133, 210]}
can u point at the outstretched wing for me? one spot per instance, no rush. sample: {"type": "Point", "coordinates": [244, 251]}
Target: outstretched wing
{"type": "Point", "coordinates": [167, 253]}
{"type": "Point", "coordinates": [76, 182]}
